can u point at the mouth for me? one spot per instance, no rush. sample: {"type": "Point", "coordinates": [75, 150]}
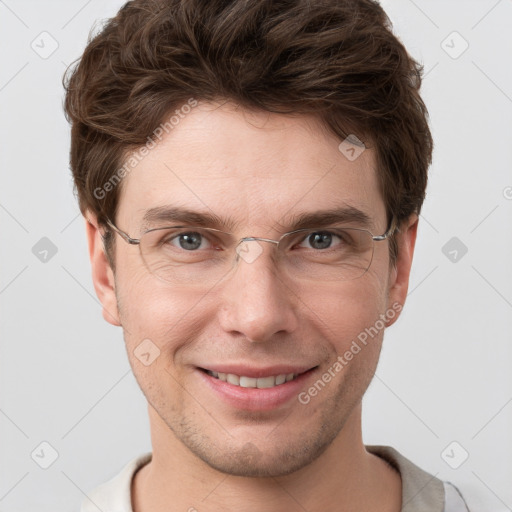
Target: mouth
{"type": "Point", "coordinates": [243, 381]}
{"type": "Point", "coordinates": [244, 387]}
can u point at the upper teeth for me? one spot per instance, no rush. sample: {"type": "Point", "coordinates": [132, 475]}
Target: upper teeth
{"type": "Point", "coordinates": [251, 382]}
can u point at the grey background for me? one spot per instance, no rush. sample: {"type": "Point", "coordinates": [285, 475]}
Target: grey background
{"type": "Point", "coordinates": [444, 375]}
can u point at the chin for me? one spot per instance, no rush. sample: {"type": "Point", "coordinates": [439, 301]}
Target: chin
{"type": "Point", "coordinates": [249, 460]}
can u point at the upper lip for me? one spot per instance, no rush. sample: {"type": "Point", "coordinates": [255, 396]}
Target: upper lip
{"type": "Point", "coordinates": [251, 371]}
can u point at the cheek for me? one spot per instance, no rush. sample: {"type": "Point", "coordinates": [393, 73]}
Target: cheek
{"type": "Point", "coordinates": [141, 296]}
{"type": "Point", "coordinates": [342, 311]}
{"type": "Point", "coordinates": [158, 323]}
{"type": "Point", "coordinates": [149, 309]}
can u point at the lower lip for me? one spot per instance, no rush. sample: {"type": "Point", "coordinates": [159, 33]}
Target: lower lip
{"type": "Point", "coordinates": [254, 399]}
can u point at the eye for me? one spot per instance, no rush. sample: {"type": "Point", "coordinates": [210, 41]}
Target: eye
{"type": "Point", "coordinates": [187, 240]}
{"type": "Point", "coordinates": [320, 240]}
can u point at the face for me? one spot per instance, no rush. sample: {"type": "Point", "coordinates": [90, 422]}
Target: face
{"type": "Point", "coordinates": [260, 171]}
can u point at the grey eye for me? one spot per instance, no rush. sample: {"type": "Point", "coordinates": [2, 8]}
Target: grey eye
{"type": "Point", "coordinates": [190, 241]}
{"type": "Point", "coordinates": [320, 240]}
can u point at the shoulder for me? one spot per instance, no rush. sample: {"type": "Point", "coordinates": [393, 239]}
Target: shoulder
{"type": "Point", "coordinates": [421, 491]}
{"type": "Point", "coordinates": [115, 495]}
{"type": "Point", "coordinates": [454, 502]}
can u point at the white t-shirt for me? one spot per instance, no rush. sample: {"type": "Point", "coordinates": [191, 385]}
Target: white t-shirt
{"type": "Point", "coordinates": [421, 492]}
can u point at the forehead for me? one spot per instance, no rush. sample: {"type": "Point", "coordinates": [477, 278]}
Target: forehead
{"type": "Point", "coordinates": [254, 167]}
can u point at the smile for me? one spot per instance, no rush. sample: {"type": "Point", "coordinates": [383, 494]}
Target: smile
{"type": "Point", "coordinates": [251, 382]}
{"type": "Point", "coordinates": [245, 387]}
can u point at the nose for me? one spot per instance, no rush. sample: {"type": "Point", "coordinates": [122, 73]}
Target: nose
{"type": "Point", "coordinates": [255, 301]}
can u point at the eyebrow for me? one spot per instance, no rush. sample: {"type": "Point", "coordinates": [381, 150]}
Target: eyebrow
{"type": "Point", "coordinates": [321, 218]}
{"type": "Point", "coordinates": [173, 214]}
{"type": "Point", "coordinates": [342, 215]}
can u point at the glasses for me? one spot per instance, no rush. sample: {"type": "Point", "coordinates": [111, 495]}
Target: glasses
{"type": "Point", "coordinates": [198, 255]}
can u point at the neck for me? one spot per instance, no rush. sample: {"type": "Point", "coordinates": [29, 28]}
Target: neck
{"type": "Point", "coordinates": [345, 477]}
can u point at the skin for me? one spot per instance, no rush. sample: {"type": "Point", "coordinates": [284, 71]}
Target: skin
{"type": "Point", "coordinates": [257, 168]}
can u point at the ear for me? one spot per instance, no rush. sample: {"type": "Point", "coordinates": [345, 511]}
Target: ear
{"type": "Point", "coordinates": [399, 274]}
{"type": "Point", "coordinates": [102, 274]}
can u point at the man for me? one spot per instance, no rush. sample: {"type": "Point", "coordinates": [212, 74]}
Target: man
{"type": "Point", "coordinates": [252, 174]}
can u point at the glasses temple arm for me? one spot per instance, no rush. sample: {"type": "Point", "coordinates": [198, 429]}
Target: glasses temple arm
{"type": "Point", "coordinates": [122, 234]}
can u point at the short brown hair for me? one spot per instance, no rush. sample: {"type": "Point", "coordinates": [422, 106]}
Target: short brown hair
{"type": "Point", "coordinates": [335, 59]}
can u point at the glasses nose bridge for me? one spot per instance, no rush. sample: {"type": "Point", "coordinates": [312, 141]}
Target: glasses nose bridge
{"type": "Point", "coordinates": [251, 255]}
{"type": "Point", "coordinates": [256, 238]}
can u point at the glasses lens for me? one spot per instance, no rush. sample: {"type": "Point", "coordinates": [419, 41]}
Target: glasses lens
{"type": "Point", "coordinates": [333, 254]}
{"type": "Point", "coordinates": [186, 254]}
{"type": "Point", "coordinates": [191, 255]}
